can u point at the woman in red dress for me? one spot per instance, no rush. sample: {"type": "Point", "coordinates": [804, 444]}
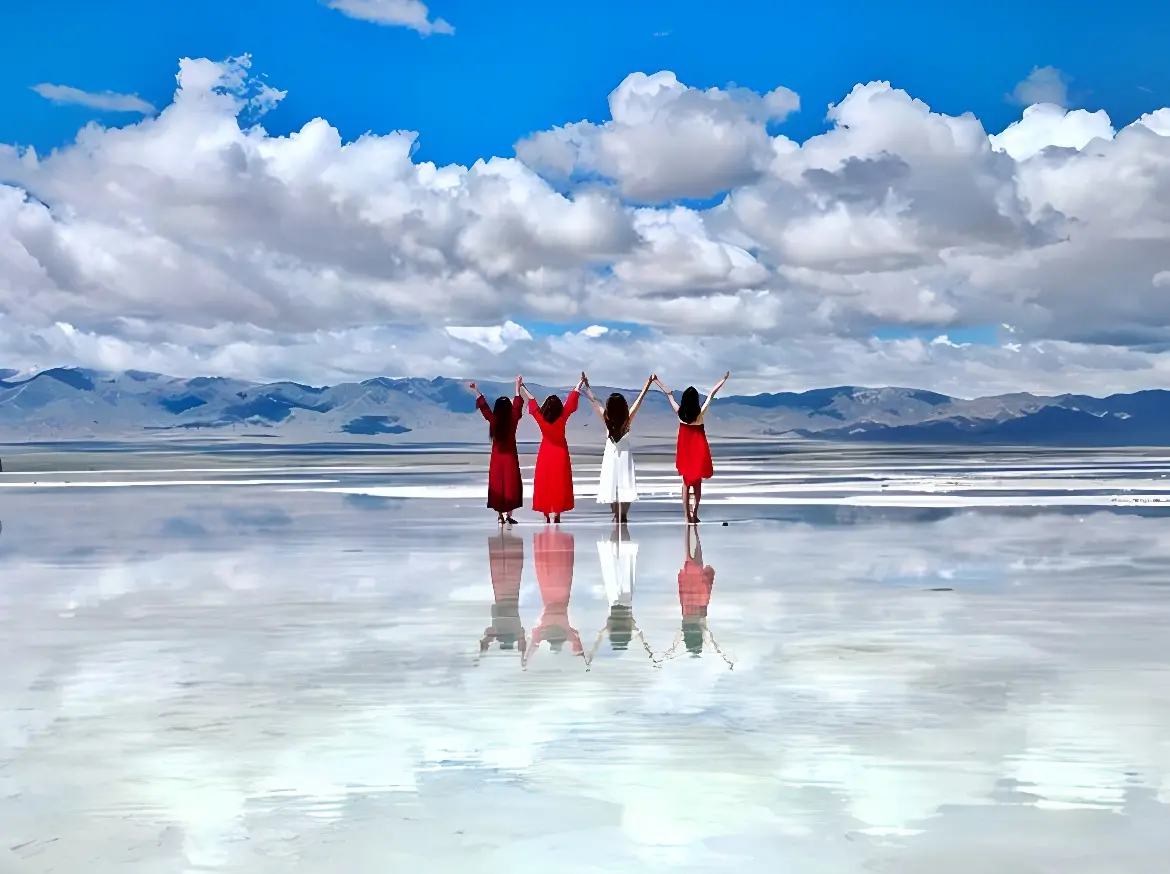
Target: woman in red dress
{"type": "Point", "coordinates": [555, 551]}
{"type": "Point", "coordinates": [552, 490]}
{"type": "Point", "coordinates": [692, 457]}
{"type": "Point", "coordinates": [505, 488]}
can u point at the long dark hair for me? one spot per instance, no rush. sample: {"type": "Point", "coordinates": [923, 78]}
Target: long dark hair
{"type": "Point", "coordinates": [620, 625]}
{"type": "Point", "coordinates": [617, 416]}
{"type": "Point", "coordinates": [693, 636]}
{"type": "Point", "coordinates": [501, 428]}
{"type": "Point", "coordinates": [689, 407]}
{"type": "Point", "coordinates": [556, 636]}
{"type": "Point", "coordinates": [551, 409]}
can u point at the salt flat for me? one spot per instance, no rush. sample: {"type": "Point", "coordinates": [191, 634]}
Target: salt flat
{"type": "Point", "coordinates": [273, 663]}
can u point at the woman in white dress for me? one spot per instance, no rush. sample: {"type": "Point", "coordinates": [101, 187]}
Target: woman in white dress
{"type": "Point", "coordinates": [618, 485]}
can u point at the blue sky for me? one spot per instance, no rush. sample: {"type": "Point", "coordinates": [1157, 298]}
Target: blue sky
{"type": "Point", "coordinates": [516, 67]}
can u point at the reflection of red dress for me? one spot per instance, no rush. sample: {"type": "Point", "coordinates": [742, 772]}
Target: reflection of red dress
{"type": "Point", "coordinates": [692, 458]}
{"type": "Point", "coordinates": [552, 492]}
{"type": "Point", "coordinates": [506, 561]}
{"type": "Point", "coordinates": [554, 574]}
{"type": "Point", "coordinates": [694, 588]}
{"type": "Point", "coordinates": [505, 488]}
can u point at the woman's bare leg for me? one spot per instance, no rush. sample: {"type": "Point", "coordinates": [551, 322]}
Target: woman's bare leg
{"type": "Point", "coordinates": [625, 511]}
{"type": "Point", "coordinates": [613, 509]}
{"type": "Point", "coordinates": [686, 496]}
{"type": "Point", "coordinates": [698, 488]}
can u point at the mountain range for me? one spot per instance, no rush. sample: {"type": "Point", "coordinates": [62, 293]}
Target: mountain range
{"type": "Point", "coordinates": [70, 404]}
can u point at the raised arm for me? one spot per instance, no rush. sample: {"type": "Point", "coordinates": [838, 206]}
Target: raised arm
{"type": "Point", "coordinates": [666, 391]}
{"type": "Point", "coordinates": [481, 403]}
{"type": "Point", "coordinates": [572, 400]}
{"type": "Point", "coordinates": [715, 391]}
{"type": "Point", "coordinates": [641, 397]}
{"type": "Point", "coordinates": [589, 656]}
{"type": "Point", "coordinates": [518, 401]}
{"type": "Point", "coordinates": [589, 394]}
{"type": "Point", "coordinates": [533, 645]}
{"type": "Point", "coordinates": [523, 391]}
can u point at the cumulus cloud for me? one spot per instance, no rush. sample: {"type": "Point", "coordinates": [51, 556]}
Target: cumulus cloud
{"type": "Point", "coordinates": [396, 13]}
{"type": "Point", "coordinates": [1047, 125]}
{"type": "Point", "coordinates": [108, 101]}
{"type": "Point", "coordinates": [196, 241]}
{"type": "Point", "coordinates": [612, 356]}
{"type": "Point", "coordinates": [1042, 85]}
{"type": "Point", "coordinates": [667, 141]}
{"type": "Point", "coordinates": [494, 338]}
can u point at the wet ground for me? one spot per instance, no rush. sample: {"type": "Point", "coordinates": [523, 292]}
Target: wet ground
{"type": "Point", "coordinates": [902, 662]}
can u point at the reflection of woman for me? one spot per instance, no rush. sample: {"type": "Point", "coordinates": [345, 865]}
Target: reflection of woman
{"type": "Point", "coordinates": [619, 562]}
{"type": "Point", "coordinates": [554, 575]}
{"type": "Point", "coordinates": [695, 581]}
{"type": "Point", "coordinates": [506, 561]}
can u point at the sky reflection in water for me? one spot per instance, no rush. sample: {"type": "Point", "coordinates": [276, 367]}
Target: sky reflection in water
{"type": "Point", "coordinates": [255, 679]}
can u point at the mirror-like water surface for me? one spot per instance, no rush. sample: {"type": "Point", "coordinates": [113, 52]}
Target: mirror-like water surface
{"type": "Point", "coordinates": [903, 662]}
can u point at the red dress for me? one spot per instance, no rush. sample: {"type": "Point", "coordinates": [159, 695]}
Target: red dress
{"type": "Point", "coordinates": [552, 491]}
{"type": "Point", "coordinates": [505, 488]}
{"type": "Point", "coordinates": [692, 457]}
{"type": "Point", "coordinates": [694, 588]}
{"type": "Point", "coordinates": [555, 552]}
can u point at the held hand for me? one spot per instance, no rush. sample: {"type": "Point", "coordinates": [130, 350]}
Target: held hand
{"type": "Point", "coordinates": [727, 376]}
{"type": "Point", "coordinates": [473, 387]}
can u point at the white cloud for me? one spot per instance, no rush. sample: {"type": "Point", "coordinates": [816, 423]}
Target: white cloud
{"type": "Point", "coordinates": [667, 141]}
{"type": "Point", "coordinates": [611, 357]}
{"type": "Point", "coordinates": [195, 241]}
{"type": "Point", "coordinates": [1046, 125]}
{"type": "Point", "coordinates": [397, 13]}
{"type": "Point", "coordinates": [494, 338]}
{"type": "Point", "coordinates": [1042, 85]}
{"type": "Point", "coordinates": [108, 101]}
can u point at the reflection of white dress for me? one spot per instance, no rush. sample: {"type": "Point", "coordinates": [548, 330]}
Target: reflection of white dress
{"type": "Point", "coordinates": [619, 562]}
{"type": "Point", "coordinates": [618, 484]}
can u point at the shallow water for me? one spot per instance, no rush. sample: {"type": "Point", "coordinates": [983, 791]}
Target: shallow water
{"type": "Point", "coordinates": [274, 666]}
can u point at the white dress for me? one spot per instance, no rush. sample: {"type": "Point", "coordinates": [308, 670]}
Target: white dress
{"type": "Point", "coordinates": [619, 564]}
{"type": "Point", "coordinates": [619, 483]}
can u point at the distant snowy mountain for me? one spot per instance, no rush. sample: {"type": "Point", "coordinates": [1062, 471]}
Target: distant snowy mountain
{"type": "Point", "coordinates": [67, 404]}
